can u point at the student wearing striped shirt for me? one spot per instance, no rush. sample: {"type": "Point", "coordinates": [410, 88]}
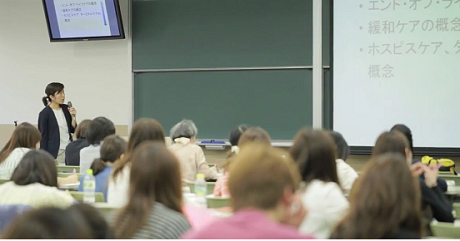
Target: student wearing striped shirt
{"type": "Point", "coordinates": [155, 196]}
{"type": "Point", "coordinates": [25, 138]}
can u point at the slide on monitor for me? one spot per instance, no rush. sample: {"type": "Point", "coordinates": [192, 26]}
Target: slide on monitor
{"type": "Point", "coordinates": [397, 61]}
{"type": "Point", "coordinates": [82, 18]}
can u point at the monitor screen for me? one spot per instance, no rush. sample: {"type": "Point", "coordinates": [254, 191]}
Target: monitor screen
{"type": "Point", "coordinates": [79, 20]}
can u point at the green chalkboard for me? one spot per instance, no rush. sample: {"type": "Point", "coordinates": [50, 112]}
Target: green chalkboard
{"type": "Point", "coordinates": [170, 34]}
{"type": "Point", "coordinates": [278, 101]}
{"type": "Point", "coordinates": [183, 34]}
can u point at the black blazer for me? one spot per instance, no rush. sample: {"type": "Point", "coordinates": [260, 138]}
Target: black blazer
{"type": "Point", "coordinates": [48, 127]}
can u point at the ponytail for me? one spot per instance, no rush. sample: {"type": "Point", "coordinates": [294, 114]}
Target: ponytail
{"type": "Point", "coordinates": [45, 101]}
{"type": "Point", "coordinates": [97, 166]}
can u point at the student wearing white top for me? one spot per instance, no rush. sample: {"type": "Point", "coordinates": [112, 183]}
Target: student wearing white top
{"type": "Point", "coordinates": [56, 122]}
{"type": "Point", "coordinates": [34, 183]}
{"type": "Point", "coordinates": [314, 153]}
{"type": "Point", "coordinates": [144, 129]}
{"type": "Point", "coordinates": [98, 130]}
{"type": "Point", "coordinates": [347, 175]}
{"type": "Point", "coordinates": [25, 137]}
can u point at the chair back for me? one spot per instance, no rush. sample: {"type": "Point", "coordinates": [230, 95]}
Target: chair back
{"type": "Point", "coordinates": [446, 230]}
{"type": "Point", "coordinates": [68, 168]}
{"type": "Point", "coordinates": [9, 212]}
{"type": "Point", "coordinates": [66, 174]}
{"type": "Point", "coordinates": [218, 202]}
{"type": "Point", "coordinates": [79, 196]}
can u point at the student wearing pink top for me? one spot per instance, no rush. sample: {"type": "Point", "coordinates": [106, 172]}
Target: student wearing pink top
{"type": "Point", "coordinates": [263, 187]}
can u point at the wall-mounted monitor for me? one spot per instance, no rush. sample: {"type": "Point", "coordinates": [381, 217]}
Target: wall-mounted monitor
{"type": "Point", "coordinates": [83, 20]}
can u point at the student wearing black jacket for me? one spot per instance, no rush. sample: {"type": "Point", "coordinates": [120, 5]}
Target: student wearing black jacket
{"type": "Point", "coordinates": [72, 152]}
{"type": "Point", "coordinates": [408, 134]}
{"type": "Point", "coordinates": [434, 203]}
{"type": "Point", "coordinates": [56, 122]}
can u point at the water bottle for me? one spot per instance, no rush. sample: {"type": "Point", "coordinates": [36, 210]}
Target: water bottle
{"type": "Point", "coordinates": [201, 190]}
{"type": "Point", "coordinates": [89, 187]}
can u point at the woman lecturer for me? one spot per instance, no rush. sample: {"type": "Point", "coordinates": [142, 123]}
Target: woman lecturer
{"type": "Point", "coordinates": [56, 122]}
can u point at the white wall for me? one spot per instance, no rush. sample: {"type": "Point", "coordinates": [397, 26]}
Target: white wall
{"type": "Point", "coordinates": [96, 75]}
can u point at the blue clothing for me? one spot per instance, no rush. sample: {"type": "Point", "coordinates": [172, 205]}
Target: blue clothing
{"type": "Point", "coordinates": [442, 184]}
{"type": "Point", "coordinates": [102, 179]}
{"type": "Point", "coordinates": [9, 212]}
{"type": "Point", "coordinates": [49, 128]}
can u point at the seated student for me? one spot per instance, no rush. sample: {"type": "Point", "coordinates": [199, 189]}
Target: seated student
{"type": "Point", "coordinates": [263, 186]}
{"type": "Point", "coordinates": [112, 150]}
{"type": "Point", "coordinates": [144, 129]}
{"type": "Point", "coordinates": [190, 155]}
{"type": "Point", "coordinates": [235, 137]}
{"type": "Point", "coordinates": [314, 152]}
{"type": "Point", "coordinates": [434, 204]}
{"type": "Point", "coordinates": [155, 196]}
{"type": "Point", "coordinates": [48, 223]}
{"type": "Point", "coordinates": [347, 175]}
{"type": "Point", "coordinates": [25, 138]}
{"type": "Point", "coordinates": [34, 183]}
{"type": "Point", "coordinates": [250, 135]}
{"type": "Point", "coordinates": [72, 151]}
{"type": "Point", "coordinates": [98, 129]}
{"type": "Point", "coordinates": [384, 203]}
{"type": "Point", "coordinates": [97, 224]}
{"type": "Point", "coordinates": [408, 134]}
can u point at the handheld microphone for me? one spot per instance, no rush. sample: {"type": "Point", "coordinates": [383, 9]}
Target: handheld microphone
{"type": "Point", "coordinates": [70, 104]}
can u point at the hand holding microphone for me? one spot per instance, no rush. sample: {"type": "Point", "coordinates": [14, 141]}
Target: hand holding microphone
{"type": "Point", "coordinates": [72, 110]}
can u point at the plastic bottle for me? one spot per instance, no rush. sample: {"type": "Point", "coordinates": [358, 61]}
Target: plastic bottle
{"type": "Point", "coordinates": [201, 190]}
{"type": "Point", "coordinates": [89, 187]}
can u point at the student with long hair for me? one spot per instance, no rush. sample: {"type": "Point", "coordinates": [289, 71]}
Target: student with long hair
{"type": "Point", "coordinates": [263, 185]}
{"type": "Point", "coordinates": [98, 129]}
{"type": "Point", "coordinates": [384, 202]}
{"type": "Point", "coordinates": [34, 182]}
{"type": "Point", "coordinates": [111, 151]}
{"type": "Point", "coordinates": [248, 136]}
{"type": "Point", "coordinates": [434, 204]}
{"type": "Point", "coordinates": [56, 122]}
{"type": "Point", "coordinates": [314, 152]}
{"type": "Point", "coordinates": [48, 223]}
{"type": "Point", "coordinates": [72, 151]}
{"type": "Point", "coordinates": [154, 209]}
{"type": "Point", "coordinates": [190, 155]}
{"type": "Point", "coordinates": [347, 175]}
{"type": "Point", "coordinates": [25, 138]}
{"type": "Point", "coordinates": [235, 135]}
{"type": "Point", "coordinates": [144, 129]}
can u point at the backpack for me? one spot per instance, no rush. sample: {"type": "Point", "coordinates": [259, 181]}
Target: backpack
{"type": "Point", "coordinates": [446, 165]}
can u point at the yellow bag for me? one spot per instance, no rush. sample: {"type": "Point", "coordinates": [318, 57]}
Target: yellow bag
{"type": "Point", "coordinates": [447, 165]}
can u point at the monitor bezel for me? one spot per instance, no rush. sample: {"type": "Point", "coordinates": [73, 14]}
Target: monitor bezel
{"type": "Point", "coordinates": [78, 39]}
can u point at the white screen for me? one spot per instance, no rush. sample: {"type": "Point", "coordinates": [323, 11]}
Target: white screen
{"type": "Point", "coordinates": [397, 61]}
